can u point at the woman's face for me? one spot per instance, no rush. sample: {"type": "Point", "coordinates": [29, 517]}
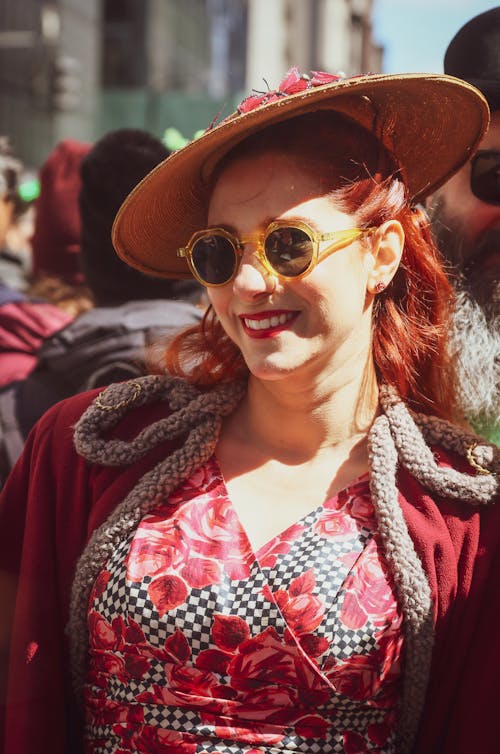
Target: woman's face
{"type": "Point", "coordinates": [309, 327]}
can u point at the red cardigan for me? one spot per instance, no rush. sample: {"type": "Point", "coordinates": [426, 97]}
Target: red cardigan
{"type": "Point", "coordinates": [53, 501]}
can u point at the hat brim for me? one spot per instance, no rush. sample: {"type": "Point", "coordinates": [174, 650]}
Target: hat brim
{"type": "Point", "coordinates": [491, 90]}
{"type": "Point", "coordinates": [432, 123]}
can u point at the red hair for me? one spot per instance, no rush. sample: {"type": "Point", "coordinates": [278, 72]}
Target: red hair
{"type": "Point", "coordinates": [410, 318]}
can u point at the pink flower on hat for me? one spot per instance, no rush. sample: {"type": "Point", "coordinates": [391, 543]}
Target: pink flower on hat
{"type": "Point", "coordinates": [293, 82]}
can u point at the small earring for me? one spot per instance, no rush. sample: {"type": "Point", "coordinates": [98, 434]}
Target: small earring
{"type": "Point", "coordinates": [379, 287]}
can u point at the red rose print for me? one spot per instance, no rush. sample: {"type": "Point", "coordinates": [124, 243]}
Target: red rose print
{"type": "Point", "coordinates": [362, 510]}
{"type": "Point", "coordinates": [357, 677]}
{"type": "Point", "coordinates": [255, 733]}
{"type": "Point", "coordinates": [190, 680]}
{"type": "Point", "coordinates": [99, 586]}
{"type": "Point", "coordinates": [304, 613]}
{"type": "Point", "coordinates": [370, 582]}
{"type": "Point", "coordinates": [136, 666]}
{"type": "Point", "coordinates": [280, 545]}
{"type": "Point", "coordinates": [223, 691]}
{"type": "Point", "coordinates": [280, 597]}
{"type": "Point", "coordinates": [151, 740]}
{"type": "Point", "coordinates": [104, 635]}
{"type": "Point", "coordinates": [161, 741]}
{"type": "Point", "coordinates": [178, 647]}
{"type": "Point", "coordinates": [332, 524]}
{"type": "Point", "coordinates": [302, 610]}
{"type": "Point", "coordinates": [354, 743]}
{"type": "Point", "coordinates": [352, 614]}
{"type": "Point", "coordinates": [379, 733]}
{"type": "Point", "coordinates": [303, 584]}
{"type": "Point", "coordinates": [134, 633]}
{"type": "Point", "coordinates": [311, 726]}
{"type": "Point", "coordinates": [229, 631]}
{"type": "Point", "coordinates": [110, 663]}
{"type": "Point", "coordinates": [213, 660]}
{"type": "Point", "coordinates": [153, 552]}
{"type": "Point", "coordinates": [315, 698]}
{"type": "Point", "coordinates": [200, 572]}
{"type": "Point", "coordinates": [264, 658]}
{"type": "Point", "coordinates": [253, 684]}
{"type": "Point", "coordinates": [314, 646]}
{"type": "Point", "coordinates": [204, 482]}
{"type": "Point", "coordinates": [213, 530]}
{"type": "Point", "coordinates": [167, 592]}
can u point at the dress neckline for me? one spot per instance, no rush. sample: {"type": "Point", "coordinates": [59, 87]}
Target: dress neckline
{"type": "Point", "coordinates": [259, 552]}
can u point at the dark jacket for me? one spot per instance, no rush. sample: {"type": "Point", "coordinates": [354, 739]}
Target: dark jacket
{"type": "Point", "coordinates": [101, 346]}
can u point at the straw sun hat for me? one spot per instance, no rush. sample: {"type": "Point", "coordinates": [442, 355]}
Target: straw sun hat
{"type": "Point", "coordinates": [432, 123]}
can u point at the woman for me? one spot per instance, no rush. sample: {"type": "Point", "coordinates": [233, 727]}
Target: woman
{"type": "Point", "coordinates": [288, 546]}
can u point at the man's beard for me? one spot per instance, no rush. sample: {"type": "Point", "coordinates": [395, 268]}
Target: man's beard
{"type": "Point", "coordinates": [475, 342]}
{"type": "Point", "coordinates": [473, 266]}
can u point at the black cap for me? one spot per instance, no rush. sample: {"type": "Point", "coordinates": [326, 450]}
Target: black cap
{"type": "Point", "coordinates": [474, 55]}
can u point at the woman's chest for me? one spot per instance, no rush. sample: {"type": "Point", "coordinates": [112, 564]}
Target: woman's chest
{"type": "Point", "coordinates": [320, 585]}
{"type": "Point", "coordinates": [271, 497]}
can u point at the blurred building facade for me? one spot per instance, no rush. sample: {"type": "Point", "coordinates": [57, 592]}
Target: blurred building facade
{"type": "Point", "coordinates": [78, 68]}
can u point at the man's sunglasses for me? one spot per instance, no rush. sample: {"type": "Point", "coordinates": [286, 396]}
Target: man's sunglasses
{"type": "Point", "coordinates": [288, 250]}
{"type": "Point", "coordinates": [485, 176]}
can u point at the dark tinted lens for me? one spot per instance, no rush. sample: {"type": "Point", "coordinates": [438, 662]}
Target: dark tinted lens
{"type": "Point", "coordinates": [485, 177]}
{"type": "Point", "coordinates": [289, 251]}
{"type": "Point", "coordinates": [214, 259]}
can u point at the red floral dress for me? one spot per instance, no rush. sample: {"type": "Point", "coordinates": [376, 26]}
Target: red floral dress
{"type": "Point", "coordinates": [199, 644]}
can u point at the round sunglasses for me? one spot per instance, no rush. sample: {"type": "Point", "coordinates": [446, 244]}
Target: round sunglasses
{"type": "Point", "coordinates": [485, 176]}
{"type": "Point", "coordinates": [287, 249]}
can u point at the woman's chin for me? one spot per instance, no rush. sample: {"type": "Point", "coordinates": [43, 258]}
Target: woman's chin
{"type": "Point", "coordinates": [272, 368]}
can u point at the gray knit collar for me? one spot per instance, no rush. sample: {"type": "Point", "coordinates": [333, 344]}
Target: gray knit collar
{"type": "Point", "coordinates": [194, 419]}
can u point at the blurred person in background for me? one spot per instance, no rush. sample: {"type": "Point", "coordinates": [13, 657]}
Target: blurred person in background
{"type": "Point", "coordinates": [24, 320]}
{"type": "Point", "coordinates": [132, 312]}
{"type": "Point", "coordinates": [56, 274]}
{"type": "Point", "coordinates": [465, 215]}
{"type": "Point", "coordinates": [20, 233]}
{"type": "Point", "coordinates": [13, 265]}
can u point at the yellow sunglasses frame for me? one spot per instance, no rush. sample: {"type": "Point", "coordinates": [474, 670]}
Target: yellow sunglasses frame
{"type": "Point", "coordinates": [340, 239]}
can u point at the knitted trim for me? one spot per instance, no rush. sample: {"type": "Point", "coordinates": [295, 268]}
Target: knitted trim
{"type": "Point", "coordinates": [201, 422]}
{"type": "Point", "coordinates": [394, 438]}
{"type": "Point", "coordinates": [410, 580]}
{"type": "Point", "coordinates": [418, 459]}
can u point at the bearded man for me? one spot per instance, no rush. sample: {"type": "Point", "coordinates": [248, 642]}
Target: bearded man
{"type": "Point", "coordinates": [465, 217]}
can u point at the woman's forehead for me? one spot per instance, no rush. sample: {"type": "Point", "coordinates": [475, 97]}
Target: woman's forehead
{"type": "Point", "coordinates": [258, 190]}
{"type": "Point", "coordinates": [249, 179]}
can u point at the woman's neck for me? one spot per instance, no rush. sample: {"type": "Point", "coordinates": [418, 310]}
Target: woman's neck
{"type": "Point", "coordinates": [294, 423]}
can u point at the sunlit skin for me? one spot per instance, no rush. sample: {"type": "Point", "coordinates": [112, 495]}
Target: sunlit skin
{"type": "Point", "coordinates": [329, 330]}
{"type": "Point", "coordinates": [312, 391]}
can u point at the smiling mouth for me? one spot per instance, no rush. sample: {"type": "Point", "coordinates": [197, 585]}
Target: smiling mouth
{"type": "Point", "coordinates": [267, 323]}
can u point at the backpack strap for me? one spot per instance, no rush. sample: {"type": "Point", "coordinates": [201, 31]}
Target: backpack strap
{"type": "Point", "coordinates": [11, 436]}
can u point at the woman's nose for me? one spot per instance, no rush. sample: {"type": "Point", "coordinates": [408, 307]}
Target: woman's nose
{"type": "Point", "coordinates": [252, 278]}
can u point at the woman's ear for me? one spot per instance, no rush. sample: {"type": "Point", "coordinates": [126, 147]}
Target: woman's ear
{"type": "Point", "coordinates": [386, 251]}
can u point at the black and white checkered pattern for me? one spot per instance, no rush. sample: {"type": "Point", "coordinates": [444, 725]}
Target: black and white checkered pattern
{"type": "Point", "coordinates": [346, 642]}
{"type": "Point", "coordinates": [245, 599]}
{"type": "Point", "coordinates": [185, 721]}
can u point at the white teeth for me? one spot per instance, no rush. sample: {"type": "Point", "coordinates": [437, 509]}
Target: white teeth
{"type": "Point", "coordinates": [266, 323]}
